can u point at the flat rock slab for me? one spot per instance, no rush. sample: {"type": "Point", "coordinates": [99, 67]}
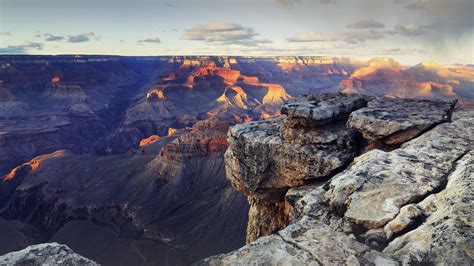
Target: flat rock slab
{"type": "Point", "coordinates": [315, 110]}
{"type": "Point", "coordinates": [446, 236]}
{"type": "Point", "coordinates": [372, 191]}
{"type": "Point", "coordinates": [394, 121]}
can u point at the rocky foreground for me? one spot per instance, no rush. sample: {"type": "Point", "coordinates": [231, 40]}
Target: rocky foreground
{"type": "Point", "coordinates": [45, 254]}
{"type": "Point", "coordinates": [351, 179]}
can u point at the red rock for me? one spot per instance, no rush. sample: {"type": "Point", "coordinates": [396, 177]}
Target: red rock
{"type": "Point", "coordinates": [149, 140]}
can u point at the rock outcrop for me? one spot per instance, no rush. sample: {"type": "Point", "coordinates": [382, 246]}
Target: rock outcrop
{"type": "Point", "coordinates": [394, 121]}
{"type": "Point", "coordinates": [410, 205]}
{"type": "Point", "coordinates": [267, 158]}
{"type": "Point", "coordinates": [45, 254]}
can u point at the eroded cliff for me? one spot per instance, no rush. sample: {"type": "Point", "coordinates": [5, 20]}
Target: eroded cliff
{"type": "Point", "coordinates": [350, 179]}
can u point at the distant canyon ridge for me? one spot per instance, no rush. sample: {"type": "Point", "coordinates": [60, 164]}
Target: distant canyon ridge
{"type": "Point", "coordinates": [127, 152]}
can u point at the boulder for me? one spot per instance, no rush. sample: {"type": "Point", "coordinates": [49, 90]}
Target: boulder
{"type": "Point", "coordinates": [394, 121]}
{"type": "Point", "coordinates": [315, 110]}
{"type": "Point", "coordinates": [45, 254]}
{"type": "Point", "coordinates": [308, 242]}
{"type": "Point", "coordinates": [445, 235]}
{"type": "Point", "coordinates": [372, 191]}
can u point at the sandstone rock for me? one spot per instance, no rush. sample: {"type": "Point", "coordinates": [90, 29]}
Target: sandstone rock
{"type": "Point", "coordinates": [265, 218]}
{"type": "Point", "coordinates": [446, 236]}
{"type": "Point", "coordinates": [395, 121]}
{"type": "Point", "coordinates": [308, 110]}
{"type": "Point", "coordinates": [45, 254]}
{"type": "Point", "coordinates": [372, 191]}
{"type": "Point", "coordinates": [267, 158]}
{"type": "Point", "coordinates": [369, 207]}
{"type": "Point", "coordinates": [260, 163]}
{"type": "Point", "coordinates": [307, 242]}
{"type": "Point", "coordinates": [270, 250]}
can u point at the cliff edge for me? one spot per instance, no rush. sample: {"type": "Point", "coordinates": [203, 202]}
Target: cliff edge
{"type": "Point", "coordinates": [352, 179]}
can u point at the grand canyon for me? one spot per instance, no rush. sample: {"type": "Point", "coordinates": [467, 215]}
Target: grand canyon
{"type": "Point", "coordinates": [121, 158]}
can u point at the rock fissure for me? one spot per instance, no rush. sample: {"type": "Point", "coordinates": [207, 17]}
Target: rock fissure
{"type": "Point", "coordinates": [295, 245]}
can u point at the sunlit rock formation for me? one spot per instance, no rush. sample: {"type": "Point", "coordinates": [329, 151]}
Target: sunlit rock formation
{"type": "Point", "coordinates": [267, 158]}
{"type": "Point", "coordinates": [404, 206]}
{"type": "Point", "coordinates": [394, 121]}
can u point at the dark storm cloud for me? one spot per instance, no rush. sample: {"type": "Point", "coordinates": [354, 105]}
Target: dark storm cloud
{"type": "Point", "coordinates": [21, 48]}
{"type": "Point", "coordinates": [85, 37]}
{"type": "Point", "coordinates": [365, 24]}
{"type": "Point", "coordinates": [450, 19]}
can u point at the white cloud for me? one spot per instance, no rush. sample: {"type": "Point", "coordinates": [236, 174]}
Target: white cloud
{"type": "Point", "coordinates": [365, 24]}
{"type": "Point", "coordinates": [21, 48]}
{"type": "Point", "coordinates": [151, 39]}
{"type": "Point", "coordinates": [223, 32]}
{"type": "Point", "coordinates": [85, 37]}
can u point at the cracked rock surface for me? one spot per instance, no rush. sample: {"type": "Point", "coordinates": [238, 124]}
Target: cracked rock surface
{"type": "Point", "coordinates": [410, 205]}
{"type": "Point", "coordinates": [394, 121]}
{"type": "Point", "coordinates": [45, 254]}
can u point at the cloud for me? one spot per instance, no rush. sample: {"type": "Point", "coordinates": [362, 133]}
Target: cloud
{"type": "Point", "coordinates": [288, 3]}
{"type": "Point", "coordinates": [409, 30]}
{"type": "Point", "coordinates": [5, 33]}
{"type": "Point", "coordinates": [348, 37]}
{"type": "Point", "coordinates": [366, 24]}
{"type": "Point", "coordinates": [51, 37]}
{"type": "Point", "coordinates": [313, 37]}
{"type": "Point", "coordinates": [362, 36]}
{"type": "Point", "coordinates": [152, 39]}
{"type": "Point", "coordinates": [454, 18]}
{"type": "Point", "coordinates": [398, 51]}
{"type": "Point", "coordinates": [21, 48]}
{"type": "Point", "coordinates": [222, 32]}
{"type": "Point", "coordinates": [85, 37]}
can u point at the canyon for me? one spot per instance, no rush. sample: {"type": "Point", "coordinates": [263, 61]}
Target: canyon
{"type": "Point", "coordinates": [130, 153]}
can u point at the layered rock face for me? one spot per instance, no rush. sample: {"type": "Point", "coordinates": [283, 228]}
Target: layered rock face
{"type": "Point", "coordinates": [267, 158]}
{"type": "Point", "coordinates": [45, 254]}
{"type": "Point", "coordinates": [410, 205]}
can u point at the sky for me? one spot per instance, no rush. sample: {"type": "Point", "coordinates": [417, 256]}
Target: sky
{"type": "Point", "coordinates": [411, 31]}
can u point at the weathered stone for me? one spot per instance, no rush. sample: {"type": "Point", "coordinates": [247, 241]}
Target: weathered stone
{"type": "Point", "coordinates": [394, 121]}
{"type": "Point", "coordinates": [293, 195]}
{"type": "Point", "coordinates": [369, 207]}
{"type": "Point", "coordinates": [446, 237]}
{"type": "Point", "coordinates": [372, 191]}
{"type": "Point", "coordinates": [45, 254]}
{"type": "Point", "coordinates": [407, 216]}
{"type": "Point", "coordinates": [260, 163]}
{"type": "Point", "coordinates": [313, 110]}
{"type": "Point", "coordinates": [330, 136]}
{"type": "Point", "coordinates": [265, 218]}
{"type": "Point", "coordinates": [269, 250]}
{"type": "Point", "coordinates": [308, 242]}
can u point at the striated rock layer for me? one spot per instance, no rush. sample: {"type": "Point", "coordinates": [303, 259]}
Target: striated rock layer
{"type": "Point", "coordinates": [410, 205]}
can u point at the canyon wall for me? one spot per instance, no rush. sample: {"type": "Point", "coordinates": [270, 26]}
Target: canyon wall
{"type": "Point", "coordinates": [399, 193]}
